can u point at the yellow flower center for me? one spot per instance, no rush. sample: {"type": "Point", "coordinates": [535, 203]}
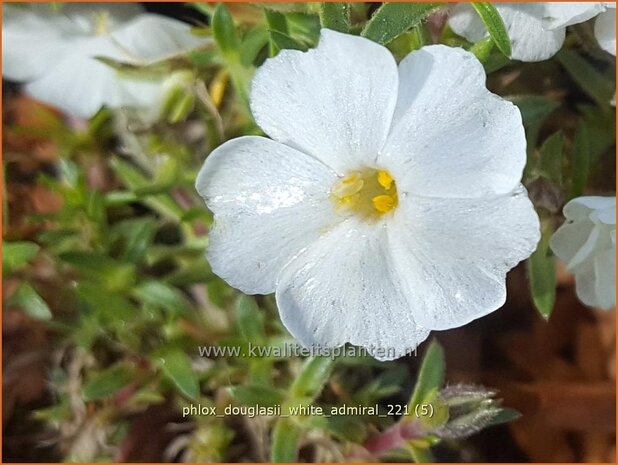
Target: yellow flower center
{"type": "Point", "coordinates": [369, 193]}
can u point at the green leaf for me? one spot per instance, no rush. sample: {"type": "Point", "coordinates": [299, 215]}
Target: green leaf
{"type": "Point", "coordinates": [107, 382]}
{"type": "Point", "coordinates": [165, 177]}
{"type": "Point", "coordinates": [430, 375]}
{"type": "Point", "coordinates": [253, 43]}
{"type": "Point", "coordinates": [534, 109]}
{"type": "Point", "coordinates": [281, 41]}
{"type": "Point", "coordinates": [160, 294]}
{"type": "Point", "coordinates": [542, 275]}
{"type": "Point", "coordinates": [580, 161]}
{"type": "Point", "coordinates": [284, 448]}
{"type": "Point", "coordinates": [249, 319]}
{"type": "Point", "coordinates": [224, 32]}
{"type": "Point", "coordinates": [109, 307]}
{"type": "Point", "coordinates": [257, 394]}
{"type": "Point", "coordinates": [176, 366]}
{"type": "Point", "coordinates": [599, 87]}
{"type": "Point", "coordinates": [276, 21]}
{"type": "Point", "coordinates": [31, 302]}
{"type": "Point", "coordinates": [17, 254]}
{"type": "Point", "coordinates": [495, 26]}
{"type": "Point", "coordinates": [135, 180]}
{"type": "Point", "coordinates": [114, 275]}
{"type": "Point", "coordinates": [137, 234]}
{"type": "Point", "coordinates": [312, 378]}
{"type": "Point", "coordinates": [551, 154]}
{"type": "Point", "coordinates": [482, 49]}
{"type": "Point", "coordinates": [335, 16]}
{"type": "Point", "coordinates": [393, 19]}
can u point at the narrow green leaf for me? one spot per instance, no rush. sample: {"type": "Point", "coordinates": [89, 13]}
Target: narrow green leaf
{"type": "Point", "coordinates": [542, 275]}
{"type": "Point", "coordinates": [17, 254]}
{"type": "Point", "coordinates": [137, 234]}
{"type": "Point", "coordinates": [482, 49]}
{"type": "Point", "coordinates": [312, 378]}
{"type": "Point", "coordinates": [107, 382]}
{"type": "Point", "coordinates": [176, 366]}
{"type": "Point", "coordinates": [281, 41]}
{"type": "Point", "coordinates": [393, 19]}
{"type": "Point", "coordinates": [31, 302]}
{"type": "Point", "coordinates": [335, 16]}
{"type": "Point", "coordinates": [599, 87]}
{"type": "Point", "coordinates": [534, 109]}
{"type": "Point", "coordinates": [256, 394]}
{"type": "Point", "coordinates": [224, 32]}
{"type": "Point", "coordinates": [495, 26]}
{"type": "Point", "coordinates": [276, 21]}
{"type": "Point", "coordinates": [135, 180]}
{"type": "Point", "coordinates": [284, 448]}
{"type": "Point", "coordinates": [160, 294]}
{"type": "Point", "coordinates": [249, 319]}
{"type": "Point", "coordinates": [430, 375]}
{"type": "Point", "coordinates": [252, 44]}
{"type": "Point", "coordinates": [551, 154]}
{"type": "Point", "coordinates": [580, 161]}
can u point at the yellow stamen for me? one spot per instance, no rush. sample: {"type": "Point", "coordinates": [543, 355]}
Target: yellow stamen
{"type": "Point", "coordinates": [383, 203]}
{"type": "Point", "coordinates": [349, 186]}
{"type": "Point", "coordinates": [385, 179]}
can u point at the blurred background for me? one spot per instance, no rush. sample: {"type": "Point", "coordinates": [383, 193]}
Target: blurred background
{"type": "Point", "coordinates": [107, 294]}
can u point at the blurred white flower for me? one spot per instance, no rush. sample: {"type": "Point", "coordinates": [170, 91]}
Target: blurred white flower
{"type": "Point", "coordinates": [53, 52]}
{"type": "Point", "coordinates": [388, 202]}
{"type": "Point", "coordinates": [586, 242]}
{"type": "Point", "coordinates": [536, 29]}
{"type": "Point", "coordinates": [605, 32]}
{"type": "Point", "coordinates": [605, 29]}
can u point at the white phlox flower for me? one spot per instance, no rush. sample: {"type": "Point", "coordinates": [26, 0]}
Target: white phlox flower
{"type": "Point", "coordinates": [586, 242]}
{"type": "Point", "coordinates": [53, 53]}
{"type": "Point", "coordinates": [536, 29]}
{"type": "Point", "coordinates": [387, 202]}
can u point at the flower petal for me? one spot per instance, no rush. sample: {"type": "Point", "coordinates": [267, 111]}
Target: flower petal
{"type": "Point", "coordinates": [607, 216]}
{"type": "Point", "coordinates": [605, 30]}
{"type": "Point", "coordinates": [451, 137]}
{"type": "Point", "coordinates": [365, 306]}
{"type": "Point", "coordinates": [453, 254]}
{"type": "Point", "coordinates": [563, 14]}
{"type": "Point", "coordinates": [595, 280]}
{"type": "Point", "coordinates": [581, 207]}
{"type": "Point", "coordinates": [334, 102]}
{"type": "Point", "coordinates": [270, 202]}
{"type": "Point", "coordinates": [530, 39]}
{"type": "Point", "coordinates": [31, 42]}
{"type": "Point", "coordinates": [152, 37]}
{"type": "Point", "coordinates": [605, 272]}
{"type": "Point", "coordinates": [79, 84]}
{"type": "Point", "coordinates": [568, 240]}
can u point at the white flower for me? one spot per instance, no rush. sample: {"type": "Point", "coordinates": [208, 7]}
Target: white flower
{"type": "Point", "coordinates": [605, 29]}
{"type": "Point", "coordinates": [536, 29]}
{"type": "Point", "coordinates": [586, 242]}
{"type": "Point", "coordinates": [54, 52]}
{"type": "Point", "coordinates": [388, 203]}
